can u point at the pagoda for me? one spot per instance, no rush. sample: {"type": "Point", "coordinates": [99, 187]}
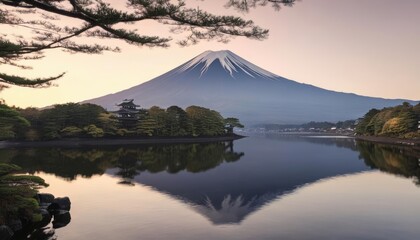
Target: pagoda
{"type": "Point", "coordinates": [128, 114]}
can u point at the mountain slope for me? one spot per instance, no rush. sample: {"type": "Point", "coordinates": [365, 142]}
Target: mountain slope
{"type": "Point", "coordinates": [227, 83]}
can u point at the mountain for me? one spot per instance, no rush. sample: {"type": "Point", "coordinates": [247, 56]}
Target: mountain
{"type": "Point", "coordinates": [225, 82]}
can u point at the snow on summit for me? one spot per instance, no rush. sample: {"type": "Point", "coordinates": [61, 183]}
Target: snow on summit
{"type": "Point", "coordinates": [229, 61]}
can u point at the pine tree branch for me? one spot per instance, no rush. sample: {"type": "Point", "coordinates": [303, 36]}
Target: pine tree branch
{"type": "Point", "coordinates": [26, 82]}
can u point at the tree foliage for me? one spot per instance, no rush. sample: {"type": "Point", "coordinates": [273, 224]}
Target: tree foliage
{"type": "Point", "coordinates": [205, 122]}
{"type": "Point", "coordinates": [399, 121]}
{"type": "Point", "coordinates": [17, 194]}
{"type": "Point", "coordinates": [71, 131]}
{"type": "Point", "coordinates": [10, 122]}
{"type": "Point", "coordinates": [147, 126]}
{"type": "Point", "coordinates": [108, 122]}
{"type": "Point", "coordinates": [178, 121]}
{"type": "Point", "coordinates": [73, 120]}
{"type": "Point", "coordinates": [231, 123]}
{"type": "Point", "coordinates": [246, 5]}
{"type": "Point", "coordinates": [54, 121]}
{"type": "Point", "coordinates": [94, 131]}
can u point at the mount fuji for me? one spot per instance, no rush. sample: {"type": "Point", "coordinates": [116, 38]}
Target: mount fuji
{"type": "Point", "coordinates": [225, 82]}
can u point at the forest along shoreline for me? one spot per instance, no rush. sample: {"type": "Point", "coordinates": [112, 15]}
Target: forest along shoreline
{"type": "Point", "coordinates": [78, 142]}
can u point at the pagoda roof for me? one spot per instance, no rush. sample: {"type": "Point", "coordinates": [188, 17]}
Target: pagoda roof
{"type": "Point", "coordinates": [124, 110]}
{"type": "Point", "coordinates": [128, 102]}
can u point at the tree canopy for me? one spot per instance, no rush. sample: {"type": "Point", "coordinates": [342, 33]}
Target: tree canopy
{"type": "Point", "coordinates": [245, 5]}
{"type": "Point", "coordinates": [10, 122]}
{"type": "Point", "coordinates": [231, 123]}
{"type": "Point", "coordinates": [74, 120]}
{"type": "Point", "coordinates": [98, 19]}
{"type": "Point", "coordinates": [398, 121]}
{"type": "Point", "coordinates": [17, 194]}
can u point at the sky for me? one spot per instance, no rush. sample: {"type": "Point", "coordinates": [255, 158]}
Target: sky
{"type": "Point", "coordinates": [369, 48]}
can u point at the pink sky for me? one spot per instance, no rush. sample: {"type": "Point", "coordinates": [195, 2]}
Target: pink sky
{"type": "Point", "coordinates": [369, 48]}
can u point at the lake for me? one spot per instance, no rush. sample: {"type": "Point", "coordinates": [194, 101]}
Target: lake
{"type": "Point", "coordinates": [259, 187]}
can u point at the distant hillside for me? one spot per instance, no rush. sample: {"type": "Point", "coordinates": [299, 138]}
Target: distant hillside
{"type": "Point", "coordinates": [235, 87]}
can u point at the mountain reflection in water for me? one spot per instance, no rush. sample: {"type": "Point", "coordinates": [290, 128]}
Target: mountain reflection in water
{"type": "Point", "coordinates": [221, 181]}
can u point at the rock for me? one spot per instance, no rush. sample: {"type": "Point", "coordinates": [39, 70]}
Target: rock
{"type": "Point", "coordinates": [46, 218]}
{"type": "Point", "coordinates": [5, 233]}
{"type": "Point", "coordinates": [61, 219]}
{"type": "Point", "coordinates": [60, 204]}
{"type": "Point", "coordinates": [15, 225]}
{"type": "Point", "coordinates": [44, 205]}
{"type": "Point", "coordinates": [43, 233]}
{"type": "Point", "coordinates": [44, 213]}
{"type": "Point", "coordinates": [45, 197]}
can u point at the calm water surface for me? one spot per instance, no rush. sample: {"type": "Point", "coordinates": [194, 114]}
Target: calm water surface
{"type": "Point", "coordinates": [260, 187]}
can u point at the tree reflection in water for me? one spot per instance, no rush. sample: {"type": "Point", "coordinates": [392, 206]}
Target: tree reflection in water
{"type": "Point", "coordinates": [223, 196]}
{"type": "Point", "coordinates": [174, 158]}
{"type": "Point", "coordinates": [402, 161]}
{"type": "Point", "coordinates": [70, 163]}
{"type": "Point", "coordinates": [398, 160]}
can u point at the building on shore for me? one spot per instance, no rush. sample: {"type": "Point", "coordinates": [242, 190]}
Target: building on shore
{"type": "Point", "coordinates": [128, 114]}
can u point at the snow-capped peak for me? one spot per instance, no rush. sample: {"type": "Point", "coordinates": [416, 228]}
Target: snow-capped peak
{"type": "Point", "coordinates": [229, 61]}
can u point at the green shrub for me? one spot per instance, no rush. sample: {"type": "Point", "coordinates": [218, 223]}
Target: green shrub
{"type": "Point", "coordinates": [94, 131]}
{"type": "Point", "coordinates": [16, 194]}
{"type": "Point", "coordinates": [71, 131]}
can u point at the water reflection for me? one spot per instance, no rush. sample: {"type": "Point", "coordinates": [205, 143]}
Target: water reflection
{"type": "Point", "coordinates": [70, 163]}
{"type": "Point", "coordinates": [337, 141]}
{"type": "Point", "coordinates": [173, 159]}
{"type": "Point", "coordinates": [201, 176]}
{"type": "Point", "coordinates": [230, 193]}
{"type": "Point", "coordinates": [397, 160]}
{"type": "Point", "coordinates": [45, 229]}
{"type": "Point", "coordinates": [402, 161]}
{"type": "Point", "coordinates": [65, 163]}
{"type": "Point", "coordinates": [43, 233]}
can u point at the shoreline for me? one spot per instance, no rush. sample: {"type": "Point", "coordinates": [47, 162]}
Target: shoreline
{"type": "Point", "coordinates": [82, 142]}
{"type": "Point", "coordinates": [375, 139]}
{"type": "Point", "coordinates": [390, 140]}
